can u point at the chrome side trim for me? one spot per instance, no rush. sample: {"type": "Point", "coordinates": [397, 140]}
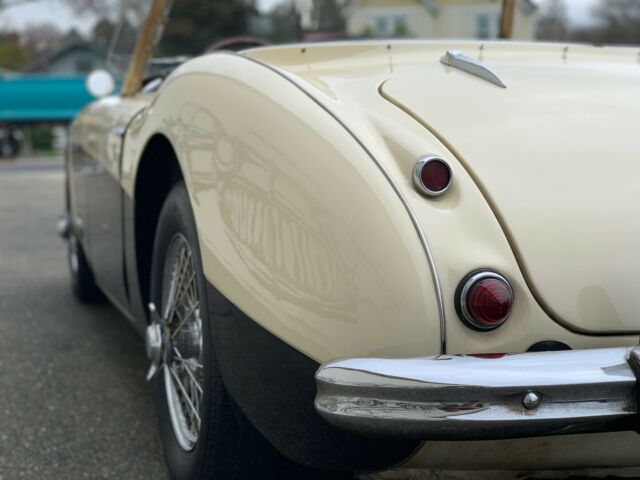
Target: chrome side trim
{"type": "Point", "coordinates": [457, 59]}
{"type": "Point", "coordinates": [118, 131]}
{"type": "Point", "coordinates": [405, 203]}
{"type": "Point", "coordinates": [473, 397]}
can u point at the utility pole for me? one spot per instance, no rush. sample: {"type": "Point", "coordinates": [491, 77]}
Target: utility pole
{"type": "Point", "coordinates": [506, 24]}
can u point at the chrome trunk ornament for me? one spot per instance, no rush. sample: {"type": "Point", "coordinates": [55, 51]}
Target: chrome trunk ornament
{"type": "Point", "coordinates": [457, 59]}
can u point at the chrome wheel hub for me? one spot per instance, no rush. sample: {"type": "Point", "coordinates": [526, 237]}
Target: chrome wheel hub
{"type": "Point", "coordinates": [153, 344]}
{"type": "Point", "coordinates": [173, 342]}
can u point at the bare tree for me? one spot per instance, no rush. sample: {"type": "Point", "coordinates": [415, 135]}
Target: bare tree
{"type": "Point", "coordinates": [134, 11]}
{"type": "Point", "coordinates": [619, 20]}
{"type": "Point", "coordinates": [40, 37]}
{"type": "Point", "coordinates": [5, 4]}
{"type": "Point", "coordinates": [553, 22]}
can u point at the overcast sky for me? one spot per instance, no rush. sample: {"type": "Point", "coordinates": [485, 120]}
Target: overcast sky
{"type": "Point", "coordinates": [54, 11]}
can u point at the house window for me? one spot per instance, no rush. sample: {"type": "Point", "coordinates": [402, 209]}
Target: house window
{"type": "Point", "coordinates": [401, 29]}
{"type": "Point", "coordinates": [84, 65]}
{"type": "Point", "coordinates": [381, 25]}
{"type": "Point", "coordinates": [482, 26]}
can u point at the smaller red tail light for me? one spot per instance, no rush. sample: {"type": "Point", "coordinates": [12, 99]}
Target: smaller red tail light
{"type": "Point", "coordinates": [484, 300]}
{"type": "Point", "coordinates": [432, 176]}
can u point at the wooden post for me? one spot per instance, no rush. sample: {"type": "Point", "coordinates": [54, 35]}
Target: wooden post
{"type": "Point", "coordinates": [506, 24]}
{"type": "Point", "coordinates": [145, 46]}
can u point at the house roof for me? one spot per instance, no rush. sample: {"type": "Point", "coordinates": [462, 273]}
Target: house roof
{"type": "Point", "coordinates": [74, 43]}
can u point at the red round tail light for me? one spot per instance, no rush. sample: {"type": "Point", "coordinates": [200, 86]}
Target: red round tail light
{"type": "Point", "coordinates": [432, 176]}
{"type": "Point", "coordinates": [484, 300]}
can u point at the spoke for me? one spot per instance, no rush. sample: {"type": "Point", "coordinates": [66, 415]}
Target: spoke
{"type": "Point", "coordinates": [183, 288]}
{"type": "Point", "coordinates": [186, 287]}
{"type": "Point", "coordinates": [194, 411]}
{"type": "Point", "coordinates": [179, 272]}
{"type": "Point", "coordinates": [185, 363]}
{"type": "Point", "coordinates": [184, 319]}
{"type": "Point", "coordinates": [190, 362]}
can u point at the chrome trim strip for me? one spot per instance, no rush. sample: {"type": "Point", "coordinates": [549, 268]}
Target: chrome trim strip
{"type": "Point", "coordinates": [118, 131]}
{"type": "Point", "coordinates": [417, 176]}
{"type": "Point", "coordinates": [473, 397]}
{"type": "Point", "coordinates": [414, 220]}
{"type": "Point", "coordinates": [457, 59]}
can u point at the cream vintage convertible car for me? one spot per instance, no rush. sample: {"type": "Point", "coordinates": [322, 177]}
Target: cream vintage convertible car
{"type": "Point", "coordinates": [353, 257]}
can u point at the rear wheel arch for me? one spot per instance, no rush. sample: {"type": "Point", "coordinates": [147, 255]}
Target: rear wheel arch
{"type": "Point", "coordinates": [158, 171]}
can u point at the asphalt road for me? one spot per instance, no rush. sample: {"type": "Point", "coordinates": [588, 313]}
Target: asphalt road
{"type": "Point", "coordinates": [74, 403]}
{"type": "Point", "coordinates": [73, 400]}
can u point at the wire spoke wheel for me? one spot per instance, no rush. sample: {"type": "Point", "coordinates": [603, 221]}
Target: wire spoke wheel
{"type": "Point", "coordinates": [203, 434]}
{"type": "Point", "coordinates": [182, 339]}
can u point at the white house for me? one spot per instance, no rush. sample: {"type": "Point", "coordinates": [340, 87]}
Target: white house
{"type": "Point", "coordinates": [437, 18]}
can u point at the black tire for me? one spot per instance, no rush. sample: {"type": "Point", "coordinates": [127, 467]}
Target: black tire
{"type": "Point", "coordinates": [227, 446]}
{"type": "Point", "coordinates": [83, 282]}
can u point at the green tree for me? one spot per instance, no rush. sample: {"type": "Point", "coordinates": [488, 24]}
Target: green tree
{"type": "Point", "coordinates": [12, 55]}
{"type": "Point", "coordinates": [401, 30]}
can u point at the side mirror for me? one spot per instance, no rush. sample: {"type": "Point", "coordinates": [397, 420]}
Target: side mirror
{"type": "Point", "coordinates": [100, 83]}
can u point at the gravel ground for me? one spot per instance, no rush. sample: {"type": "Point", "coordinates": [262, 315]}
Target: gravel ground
{"type": "Point", "coordinates": [73, 399]}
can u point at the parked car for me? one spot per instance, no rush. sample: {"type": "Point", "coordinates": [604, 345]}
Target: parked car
{"type": "Point", "coordinates": [360, 256]}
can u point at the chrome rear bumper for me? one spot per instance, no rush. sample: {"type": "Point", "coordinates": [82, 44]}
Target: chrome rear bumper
{"type": "Point", "coordinates": [471, 397]}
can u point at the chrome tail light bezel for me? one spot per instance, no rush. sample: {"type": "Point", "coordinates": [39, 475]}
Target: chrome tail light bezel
{"type": "Point", "coordinates": [417, 176]}
{"type": "Point", "coordinates": [462, 292]}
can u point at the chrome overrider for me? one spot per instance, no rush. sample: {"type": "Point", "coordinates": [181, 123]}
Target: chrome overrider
{"type": "Point", "coordinates": [482, 397]}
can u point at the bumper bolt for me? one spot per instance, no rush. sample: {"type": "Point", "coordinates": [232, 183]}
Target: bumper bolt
{"type": "Point", "coordinates": [531, 401]}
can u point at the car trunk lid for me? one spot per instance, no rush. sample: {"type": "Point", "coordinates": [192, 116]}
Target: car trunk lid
{"type": "Point", "coordinates": [556, 154]}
